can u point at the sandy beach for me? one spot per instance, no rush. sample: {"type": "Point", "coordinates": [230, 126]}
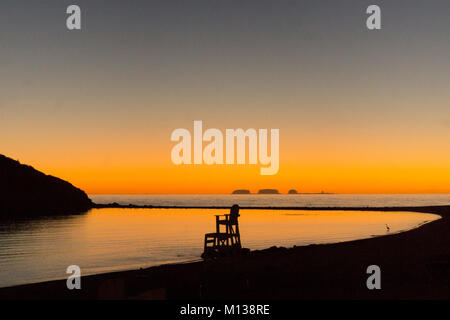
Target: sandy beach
{"type": "Point", "coordinates": [414, 265]}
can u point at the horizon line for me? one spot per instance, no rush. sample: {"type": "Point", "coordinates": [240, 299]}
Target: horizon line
{"type": "Point", "coordinates": [300, 193]}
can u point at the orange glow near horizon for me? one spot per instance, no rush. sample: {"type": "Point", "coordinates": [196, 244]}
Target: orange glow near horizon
{"type": "Point", "coordinates": [380, 157]}
{"type": "Point", "coordinates": [355, 163]}
{"type": "Point", "coordinates": [328, 176]}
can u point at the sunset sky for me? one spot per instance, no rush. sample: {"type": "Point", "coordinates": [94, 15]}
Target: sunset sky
{"type": "Point", "coordinates": [359, 111]}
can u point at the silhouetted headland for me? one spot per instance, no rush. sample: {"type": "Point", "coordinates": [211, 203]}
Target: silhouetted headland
{"type": "Point", "coordinates": [241, 191]}
{"type": "Point", "coordinates": [26, 192]}
{"type": "Point", "coordinates": [292, 191]}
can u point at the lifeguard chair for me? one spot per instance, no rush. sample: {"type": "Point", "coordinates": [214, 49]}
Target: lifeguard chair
{"type": "Point", "coordinates": [224, 242]}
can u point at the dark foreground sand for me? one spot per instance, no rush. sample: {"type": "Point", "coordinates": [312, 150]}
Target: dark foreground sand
{"type": "Point", "coordinates": [414, 265]}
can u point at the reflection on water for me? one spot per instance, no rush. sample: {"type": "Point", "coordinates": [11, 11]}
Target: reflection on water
{"type": "Point", "coordinates": [105, 240]}
{"type": "Point", "coordinates": [278, 200]}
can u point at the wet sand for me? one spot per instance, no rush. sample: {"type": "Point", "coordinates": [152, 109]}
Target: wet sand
{"type": "Point", "coordinates": [414, 265]}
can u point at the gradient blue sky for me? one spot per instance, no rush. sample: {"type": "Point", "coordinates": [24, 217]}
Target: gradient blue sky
{"type": "Point", "coordinates": [358, 110]}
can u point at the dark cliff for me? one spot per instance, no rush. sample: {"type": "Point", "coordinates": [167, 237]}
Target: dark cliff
{"type": "Point", "coordinates": [26, 192]}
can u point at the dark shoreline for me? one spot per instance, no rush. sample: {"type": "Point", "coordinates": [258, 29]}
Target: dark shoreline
{"type": "Point", "coordinates": [413, 209]}
{"type": "Point", "coordinates": [414, 265]}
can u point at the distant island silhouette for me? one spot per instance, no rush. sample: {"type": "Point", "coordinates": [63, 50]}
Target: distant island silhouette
{"type": "Point", "coordinates": [27, 192]}
{"type": "Point", "coordinates": [268, 191]}
{"type": "Point", "coordinates": [275, 191]}
{"type": "Point", "coordinates": [241, 191]}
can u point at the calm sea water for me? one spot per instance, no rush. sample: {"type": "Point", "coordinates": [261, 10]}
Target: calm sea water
{"type": "Point", "coordinates": [281, 200]}
{"type": "Point", "coordinates": [104, 240]}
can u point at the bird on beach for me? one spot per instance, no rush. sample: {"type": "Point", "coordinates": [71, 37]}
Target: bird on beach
{"type": "Point", "coordinates": [387, 228]}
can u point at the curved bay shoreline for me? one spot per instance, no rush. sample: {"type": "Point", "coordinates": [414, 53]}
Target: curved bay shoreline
{"type": "Point", "coordinates": [414, 264]}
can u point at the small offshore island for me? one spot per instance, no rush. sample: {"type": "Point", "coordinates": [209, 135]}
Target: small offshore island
{"type": "Point", "coordinates": [241, 191]}
{"type": "Point", "coordinates": [262, 191]}
{"type": "Point", "coordinates": [268, 191]}
{"type": "Point", "coordinates": [275, 191]}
